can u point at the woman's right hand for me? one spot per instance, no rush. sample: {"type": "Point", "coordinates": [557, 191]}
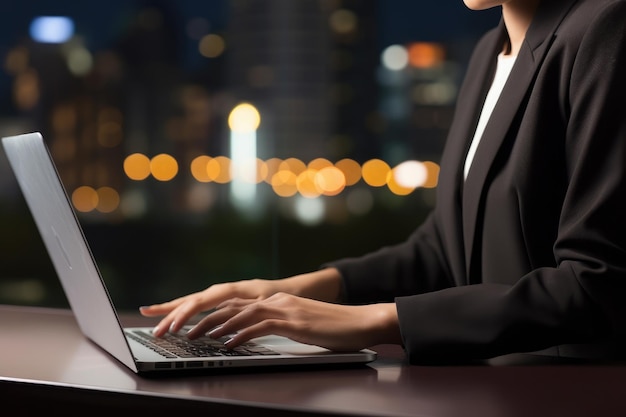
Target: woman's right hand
{"type": "Point", "coordinates": [179, 311]}
{"type": "Point", "coordinates": [323, 285]}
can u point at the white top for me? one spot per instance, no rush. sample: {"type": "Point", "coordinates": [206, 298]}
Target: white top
{"type": "Point", "coordinates": [505, 64]}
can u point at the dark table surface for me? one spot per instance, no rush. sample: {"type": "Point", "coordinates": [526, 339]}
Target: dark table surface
{"type": "Point", "coordinates": [47, 363]}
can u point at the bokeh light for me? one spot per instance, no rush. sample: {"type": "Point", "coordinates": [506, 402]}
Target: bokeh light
{"type": "Point", "coordinates": [273, 166]}
{"type": "Point", "coordinates": [218, 169]}
{"type": "Point", "coordinates": [244, 118]}
{"type": "Point", "coordinates": [343, 21]}
{"type": "Point", "coordinates": [199, 168]}
{"type": "Point", "coordinates": [375, 172]}
{"type": "Point", "coordinates": [211, 46]}
{"type": "Point", "coordinates": [16, 60]}
{"type": "Point", "coordinates": [163, 167]}
{"type": "Point", "coordinates": [284, 183]}
{"type": "Point", "coordinates": [79, 60]}
{"type": "Point", "coordinates": [137, 166]}
{"type": "Point", "coordinates": [350, 169]}
{"type": "Point", "coordinates": [425, 54]}
{"type": "Point", "coordinates": [294, 165]}
{"type": "Point", "coordinates": [319, 163]}
{"type": "Point", "coordinates": [410, 174]}
{"type": "Point", "coordinates": [305, 182]}
{"type": "Point", "coordinates": [433, 174]}
{"type": "Point", "coordinates": [26, 89]}
{"type": "Point", "coordinates": [108, 200]}
{"type": "Point", "coordinates": [85, 199]}
{"type": "Point", "coordinates": [52, 29]}
{"type": "Point", "coordinates": [395, 57]}
{"type": "Point", "coordinates": [396, 187]}
{"type": "Point", "coordinates": [310, 211]}
{"type": "Point", "coordinates": [330, 180]}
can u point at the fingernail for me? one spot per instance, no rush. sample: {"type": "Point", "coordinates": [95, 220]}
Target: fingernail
{"type": "Point", "coordinates": [156, 330]}
{"type": "Point", "coordinates": [212, 332]}
{"type": "Point", "coordinates": [226, 343]}
{"type": "Point", "coordinates": [172, 328]}
{"type": "Point", "coordinates": [190, 333]}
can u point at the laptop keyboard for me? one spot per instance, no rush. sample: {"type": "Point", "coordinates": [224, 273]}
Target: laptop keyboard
{"type": "Point", "coordinates": [179, 346]}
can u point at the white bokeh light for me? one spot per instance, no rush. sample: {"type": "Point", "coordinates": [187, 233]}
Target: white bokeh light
{"type": "Point", "coordinates": [310, 211]}
{"type": "Point", "coordinates": [395, 57]}
{"type": "Point", "coordinates": [411, 174]}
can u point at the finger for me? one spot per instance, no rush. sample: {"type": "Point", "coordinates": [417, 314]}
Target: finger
{"type": "Point", "coordinates": [177, 317]}
{"type": "Point", "coordinates": [211, 322]}
{"type": "Point", "coordinates": [168, 309]}
{"type": "Point", "coordinates": [163, 326]}
{"type": "Point", "coordinates": [199, 302]}
{"type": "Point", "coordinates": [185, 312]}
{"type": "Point", "coordinates": [249, 315]}
{"type": "Point", "coordinates": [267, 327]}
{"type": "Point", "coordinates": [222, 313]}
{"type": "Point", "coordinates": [162, 308]}
{"type": "Point", "coordinates": [202, 301]}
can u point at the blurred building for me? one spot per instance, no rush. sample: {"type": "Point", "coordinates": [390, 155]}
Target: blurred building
{"type": "Point", "coordinates": [308, 66]}
{"type": "Point", "coordinates": [135, 102]}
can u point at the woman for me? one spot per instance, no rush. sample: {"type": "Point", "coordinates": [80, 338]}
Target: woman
{"type": "Point", "coordinates": [526, 249]}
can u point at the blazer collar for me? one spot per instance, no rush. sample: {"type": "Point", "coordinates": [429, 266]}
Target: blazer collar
{"type": "Point", "coordinates": [506, 115]}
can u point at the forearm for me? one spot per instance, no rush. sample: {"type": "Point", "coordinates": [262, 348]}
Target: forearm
{"type": "Point", "coordinates": [323, 285]}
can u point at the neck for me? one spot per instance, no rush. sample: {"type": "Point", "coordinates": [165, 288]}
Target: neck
{"type": "Point", "coordinates": [517, 17]}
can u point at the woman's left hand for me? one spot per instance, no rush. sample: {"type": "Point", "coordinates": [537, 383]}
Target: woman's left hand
{"type": "Point", "coordinates": [332, 326]}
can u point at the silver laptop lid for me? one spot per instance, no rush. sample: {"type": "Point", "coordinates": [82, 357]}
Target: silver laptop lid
{"type": "Point", "coordinates": [64, 239]}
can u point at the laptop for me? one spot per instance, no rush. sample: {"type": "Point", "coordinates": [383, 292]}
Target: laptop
{"type": "Point", "coordinates": [91, 303]}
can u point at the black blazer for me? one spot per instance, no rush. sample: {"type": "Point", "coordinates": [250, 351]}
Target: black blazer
{"type": "Point", "coordinates": [529, 251]}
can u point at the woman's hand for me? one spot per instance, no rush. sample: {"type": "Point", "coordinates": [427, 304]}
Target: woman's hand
{"type": "Point", "coordinates": [323, 285]}
{"type": "Point", "coordinates": [178, 311]}
{"type": "Point", "coordinates": [332, 326]}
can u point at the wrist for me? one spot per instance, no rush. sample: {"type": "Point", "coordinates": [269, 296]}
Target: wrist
{"type": "Point", "coordinates": [386, 323]}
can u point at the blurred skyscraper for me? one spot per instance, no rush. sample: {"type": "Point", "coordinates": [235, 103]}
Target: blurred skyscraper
{"type": "Point", "coordinates": [304, 64]}
{"type": "Point", "coordinates": [278, 60]}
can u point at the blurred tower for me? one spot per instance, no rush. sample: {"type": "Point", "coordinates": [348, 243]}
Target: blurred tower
{"type": "Point", "coordinates": [279, 61]}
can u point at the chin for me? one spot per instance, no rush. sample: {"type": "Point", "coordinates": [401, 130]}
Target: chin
{"type": "Point", "coordinates": [481, 4]}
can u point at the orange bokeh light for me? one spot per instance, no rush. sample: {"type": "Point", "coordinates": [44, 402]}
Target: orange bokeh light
{"type": "Point", "coordinates": [425, 54]}
{"type": "Point", "coordinates": [375, 172]}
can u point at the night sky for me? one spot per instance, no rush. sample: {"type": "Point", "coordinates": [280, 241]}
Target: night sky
{"type": "Point", "coordinates": [101, 22]}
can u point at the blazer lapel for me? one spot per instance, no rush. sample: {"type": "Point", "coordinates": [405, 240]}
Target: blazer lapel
{"type": "Point", "coordinates": [449, 190]}
{"type": "Point", "coordinates": [510, 106]}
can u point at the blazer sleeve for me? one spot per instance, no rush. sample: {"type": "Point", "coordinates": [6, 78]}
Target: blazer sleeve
{"type": "Point", "coordinates": [392, 271]}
